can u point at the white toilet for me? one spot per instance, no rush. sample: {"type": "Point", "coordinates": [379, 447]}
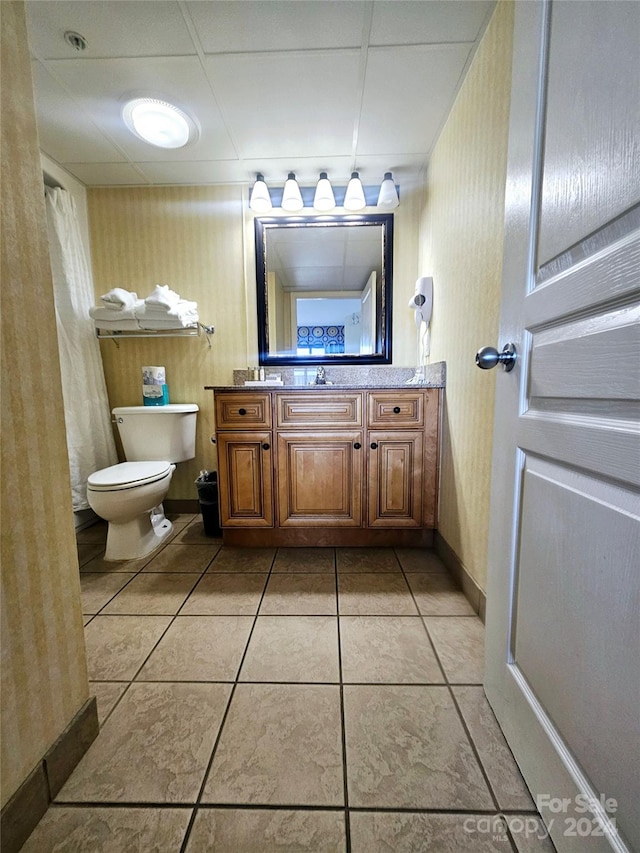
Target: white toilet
{"type": "Point", "coordinates": [129, 495]}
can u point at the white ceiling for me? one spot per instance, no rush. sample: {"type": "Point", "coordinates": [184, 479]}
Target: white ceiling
{"type": "Point", "coordinates": [276, 85]}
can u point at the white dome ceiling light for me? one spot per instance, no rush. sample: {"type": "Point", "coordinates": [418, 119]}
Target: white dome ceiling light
{"type": "Point", "coordinates": [159, 123]}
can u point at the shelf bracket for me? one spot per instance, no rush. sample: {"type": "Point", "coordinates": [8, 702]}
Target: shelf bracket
{"type": "Point", "coordinates": [208, 330]}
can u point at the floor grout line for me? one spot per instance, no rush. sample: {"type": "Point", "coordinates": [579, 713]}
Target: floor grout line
{"type": "Point", "coordinates": [209, 765]}
{"type": "Point", "coordinates": [343, 727]}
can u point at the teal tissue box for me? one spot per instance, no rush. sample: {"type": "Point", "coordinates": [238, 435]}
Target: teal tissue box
{"type": "Point", "coordinates": [155, 395]}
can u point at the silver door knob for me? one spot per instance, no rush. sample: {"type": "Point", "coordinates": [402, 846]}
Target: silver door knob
{"type": "Point", "coordinates": [488, 357]}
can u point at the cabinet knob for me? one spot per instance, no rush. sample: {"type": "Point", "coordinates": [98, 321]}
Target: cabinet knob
{"type": "Point", "coordinates": [266, 446]}
{"type": "Point", "coordinates": [357, 445]}
{"type": "Point", "coordinates": [374, 445]}
{"type": "Point", "coordinates": [396, 410]}
{"type": "Point", "coordinates": [242, 411]}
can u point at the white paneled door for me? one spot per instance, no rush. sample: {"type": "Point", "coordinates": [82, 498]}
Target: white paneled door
{"type": "Point", "coordinates": [563, 602]}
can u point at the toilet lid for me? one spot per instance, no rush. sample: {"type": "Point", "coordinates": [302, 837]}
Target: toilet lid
{"type": "Point", "coordinates": [128, 474]}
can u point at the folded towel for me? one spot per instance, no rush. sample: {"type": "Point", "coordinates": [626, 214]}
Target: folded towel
{"type": "Point", "coordinates": [184, 313]}
{"type": "Point", "coordinates": [163, 297]}
{"type": "Point", "coordinates": [158, 325]}
{"type": "Point", "coordinates": [122, 325]}
{"type": "Point", "coordinates": [178, 310]}
{"type": "Point", "coordinates": [103, 313]}
{"type": "Point", "coordinates": [188, 319]}
{"type": "Point", "coordinates": [119, 298]}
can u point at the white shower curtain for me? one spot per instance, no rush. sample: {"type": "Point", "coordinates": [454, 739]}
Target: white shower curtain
{"type": "Point", "coordinates": [86, 406]}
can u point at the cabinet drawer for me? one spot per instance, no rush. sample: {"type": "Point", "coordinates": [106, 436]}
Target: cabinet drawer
{"type": "Point", "coordinates": [318, 409]}
{"type": "Point", "coordinates": [243, 411]}
{"type": "Point", "coordinates": [396, 409]}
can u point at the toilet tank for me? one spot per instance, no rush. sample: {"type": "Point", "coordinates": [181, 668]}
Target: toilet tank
{"type": "Point", "coordinates": [157, 432]}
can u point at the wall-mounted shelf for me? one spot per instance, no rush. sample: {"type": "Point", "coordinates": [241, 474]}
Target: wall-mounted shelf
{"type": "Point", "coordinates": [187, 332]}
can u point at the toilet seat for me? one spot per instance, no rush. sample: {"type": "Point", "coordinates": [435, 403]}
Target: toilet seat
{"type": "Point", "coordinates": [128, 475]}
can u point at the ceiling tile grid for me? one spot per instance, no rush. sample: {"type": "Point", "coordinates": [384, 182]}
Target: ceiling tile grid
{"type": "Point", "coordinates": [275, 85]}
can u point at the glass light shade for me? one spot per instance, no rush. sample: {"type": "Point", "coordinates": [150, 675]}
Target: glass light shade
{"type": "Point", "coordinates": [354, 197]}
{"type": "Point", "coordinates": [260, 200]}
{"type": "Point", "coordinates": [291, 196]}
{"type": "Point", "coordinates": [159, 123]}
{"type": "Point", "coordinates": [388, 198]}
{"type": "Point", "coordinates": [324, 198]}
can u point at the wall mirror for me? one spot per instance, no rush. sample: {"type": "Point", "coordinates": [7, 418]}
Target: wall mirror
{"type": "Point", "coordinates": [324, 286]}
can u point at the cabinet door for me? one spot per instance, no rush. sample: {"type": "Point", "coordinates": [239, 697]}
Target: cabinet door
{"type": "Point", "coordinates": [246, 479]}
{"type": "Point", "coordinates": [395, 485]}
{"type": "Point", "coordinates": [320, 478]}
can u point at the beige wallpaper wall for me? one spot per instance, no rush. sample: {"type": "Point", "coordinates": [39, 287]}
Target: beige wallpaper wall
{"type": "Point", "coordinates": [461, 244]}
{"type": "Point", "coordinates": [44, 677]}
{"type": "Point", "coordinates": [200, 241]}
{"type": "Point", "coordinates": [190, 238]}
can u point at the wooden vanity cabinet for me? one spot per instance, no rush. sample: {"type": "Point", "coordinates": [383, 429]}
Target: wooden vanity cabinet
{"type": "Point", "coordinates": [328, 467]}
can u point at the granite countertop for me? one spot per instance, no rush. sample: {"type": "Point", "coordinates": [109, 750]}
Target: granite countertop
{"type": "Point", "coordinates": [341, 378]}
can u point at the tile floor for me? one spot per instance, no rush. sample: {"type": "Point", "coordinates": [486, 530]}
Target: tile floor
{"type": "Point", "coordinates": [260, 700]}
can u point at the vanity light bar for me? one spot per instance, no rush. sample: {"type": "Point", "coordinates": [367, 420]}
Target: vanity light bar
{"type": "Point", "coordinates": [384, 197]}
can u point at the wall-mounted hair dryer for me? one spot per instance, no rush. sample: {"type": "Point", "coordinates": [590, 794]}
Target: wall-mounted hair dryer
{"type": "Point", "coordinates": [422, 300]}
{"type": "Point", "coordinates": [422, 304]}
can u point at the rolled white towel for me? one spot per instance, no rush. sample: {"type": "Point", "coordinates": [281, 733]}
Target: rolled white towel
{"type": "Point", "coordinates": [163, 297]}
{"type": "Point", "coordinates": [100, 312]}
{"type": "Point", "coordinates": [118, 299]}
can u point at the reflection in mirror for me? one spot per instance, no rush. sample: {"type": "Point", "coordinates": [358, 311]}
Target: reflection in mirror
{"type": "Point", "coordinates": [324, 289]}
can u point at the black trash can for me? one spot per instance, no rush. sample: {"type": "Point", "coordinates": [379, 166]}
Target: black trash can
{"type": "Point", "coordinates": [207, 484]}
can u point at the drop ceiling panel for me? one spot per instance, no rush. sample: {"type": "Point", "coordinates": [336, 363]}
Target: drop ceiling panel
{"type": "Point", "coordinates": [406, 167]}
{"type": "Point", "coordinates": [286, 85]}
{"type": "Point", "coordinates": [408, 93]}
{"type": "Point", "coordinates": [106, 174]}
{"type": "Point", "coordinates": [111, 27]}
{"type": "Point", "coordinates": [313, 256]}
{"type": "Point", "coordinates": [409, 22]}
{"type": "Point", "coordinates": [56, 114]}
{"type": "Point", "coordinates": [294, 105]}
{"type": "Point", "coordinates": [277, 25]}
{"type": "Point", "coordinates": [194, 172]}
{"type": "Point", "coordinates": [364, 254]}
{"type": "Point", "coordinates": [103, 86]}
{"type": "Point", "coordinates": [355, 278]}
{"type": "Point", "coordinates": [310, 279]}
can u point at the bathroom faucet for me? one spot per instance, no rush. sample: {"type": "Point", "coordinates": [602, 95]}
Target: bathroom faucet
{"type": "Point", "coordinates": [321, 376]}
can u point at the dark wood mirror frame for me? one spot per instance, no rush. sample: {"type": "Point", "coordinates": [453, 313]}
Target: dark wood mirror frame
{"type": "Point", "coordinates": [382, 354]}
